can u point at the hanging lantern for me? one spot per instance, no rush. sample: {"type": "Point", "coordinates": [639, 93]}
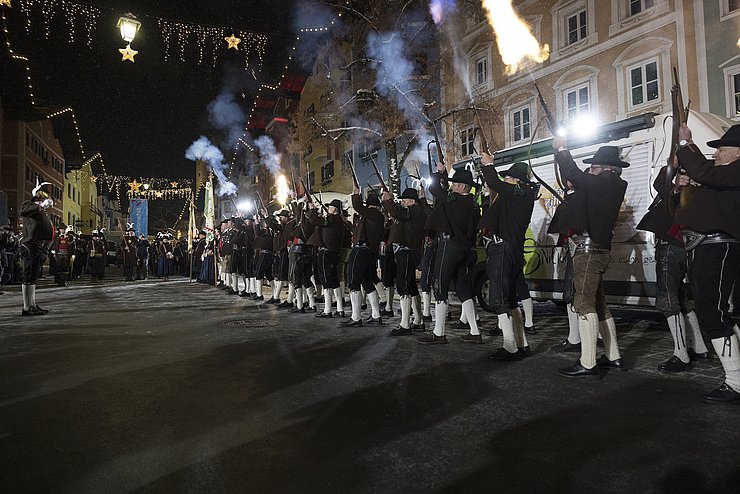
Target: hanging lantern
{"type": "Point", "coordinates": [129, 26]}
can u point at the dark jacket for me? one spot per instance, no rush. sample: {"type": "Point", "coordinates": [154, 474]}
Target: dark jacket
{"type": "Point", "coordinates": [511, 211]}
{"type": "Point", "coordinates": [329, 230]}
{"type": "Point", "coordinates": [657, 219]}
{"type": "Point", "coordinates": [604, 194]}
{"type": "Point", "coordinates": [715, 206]}
{"type": "Point", "coordinates": [369, 224]}
{"type": "Point", "coordinates": [453, 214]}
{"type": "Point", "coordinates": [37, 227]}
{"type": "Point", "coordinates": [408, 227]}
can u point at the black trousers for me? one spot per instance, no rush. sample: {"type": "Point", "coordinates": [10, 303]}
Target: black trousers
{"type": "Point", "coordinates": [327, 265]}
{"type": "Point", "coordinates": [303, 268]}
{"type": "Point", "coordinates": [248, 260]}
{"type": "Point", "coordinates": [32, 257]}
{"type": "Point", "coordinates": [407, 260]}
{"type": "Point", "coordinates": [504, 266]}
{"type": "Point", "coordinates": [427, 266]}
{"type": "Point", "coordinates": [451, 266]}
{"type": "Point", "coordinates": [714, 269]}
{"type": "Point", "coordinates": [361, 269]}
{"type": "Point", "coordinates": [142, 267]}
{"type": "Point", "coordinates": [388, 268]}
{"type": "Point", "coordinates": [280, 265]}
{"type": "Point", "coordinates": [263, 266]}
{"type": "Point", "coordinates": [671, 266]}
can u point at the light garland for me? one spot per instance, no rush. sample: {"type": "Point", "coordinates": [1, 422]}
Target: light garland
{"type": "Point", "coordinates": [165, 194]}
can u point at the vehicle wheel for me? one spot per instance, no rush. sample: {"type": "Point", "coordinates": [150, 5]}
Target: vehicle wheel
{"type": "Point", "coordinates": [482, 291]}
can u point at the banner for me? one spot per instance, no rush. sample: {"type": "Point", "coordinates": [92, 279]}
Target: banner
{"type": "Point", "coordinates": [209, 211]}
{"type": "Point", "coordinates": [139, 214]}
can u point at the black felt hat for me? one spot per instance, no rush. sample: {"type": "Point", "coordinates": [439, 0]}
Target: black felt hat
{"type": "Point", "coordinates": [607, 156]}
{"type": "Point", "coordinates": [336, 203]}
{"type": "Point", "coordinates": [462, 177]}
{"type": "Point", "coordinates": [410, 193]}
{"type": "Point", "coordinates": [373, 200]}
{"type": "Point", "coordinates": [731, 138]}
{"type": "Point", "coordinates": [518, 170]}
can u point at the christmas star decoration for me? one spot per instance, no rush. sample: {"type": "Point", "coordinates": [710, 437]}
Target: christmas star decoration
{"type": "Point", "coordinates": [6, 3]}
{"type": "Point", "coordinates": [174, 184]}
{"type": "Point", "coordinates": [127, 53]}
{"type": "Point", "coordinates": [233, 42]}
{"type": "Point", "coordinates": [159, 193]}
{"type": "Point", "coordinates": [93, 178]}
{"type": "Point", "coordinates": [134, 186]}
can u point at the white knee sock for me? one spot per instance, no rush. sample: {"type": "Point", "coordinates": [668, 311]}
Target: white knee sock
{"type": "Point", "coordinates": [516, 318]}
{"type": "Point", "coordinates": [327, 300]}
{"type": "Point", "coordinates": [608, 331]}
{"type": "Point", "coordinates": [258, 287]}
{"type": "Point", "coordinates": [339, 297]}
{"type": "Point", "coordinates": [677, 326]}
{"type": "Point", "coordinates": [426, 301]}
{"type": "Point", "coordinates": [416, 309]}
{"type": "Point", "coordinates": [374, 304]}
{"type": "Point", "coordinates": [389, 297]}
{"type": "Point", "coordinates": [355, 298]}
{"type": "Point", "coordinates": [405, 311]}
{"type": "Point", "coordinates": [272, 288]}
{"type": "Point", "coordinates": [440, 313]}
{"type": "Point", "coordinates": [728, 352]}
{"type": "Point", "coordinates": [468, 308]}
{"type": "Point", "coordinates": [588, 326]}
{"type": "Point", "coordinates": [27, 303]}
{"type": "Point", "coordinates": [506, 325]}
{"type": "Point", "coordinates": [235, 282]}
{"type": "Point", "coordinates": [299, 297]}
{"type": "Point", "coordinates": [311, 294]}
{"type": "Point", "coordinates": [693, 332]}
{"type": "Point", "coordinates": [381, 292]}
{"type": "Point", "coordinates": [528, 312]}
{"type": "Point", "coordinates": [291, 293]}
{"type": "Point", "coordinates": [573, 335]}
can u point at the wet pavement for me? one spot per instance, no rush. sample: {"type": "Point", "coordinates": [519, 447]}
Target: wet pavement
{"type": "Point", "coordinates": [177, 387]}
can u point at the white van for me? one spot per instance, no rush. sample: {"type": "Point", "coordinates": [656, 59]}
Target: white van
{"type": "Point", "coordinates": [644, 142]}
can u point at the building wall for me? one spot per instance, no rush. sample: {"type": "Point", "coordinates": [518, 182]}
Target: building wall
{"type": "Point", "coordinates": [612, 46]}
{"type": "Point", "coordinates": [72, 214]}
{"type": "Point", "coordinates": [90, 213]}
{"type": "Point", "coordinates": [31, 152]}
{"type": "Point", "coordinates": [719, 37]}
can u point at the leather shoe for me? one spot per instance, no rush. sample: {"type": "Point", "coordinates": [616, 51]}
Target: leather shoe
{"type": "Point", "coordinates": [339, 314]}
{"type": "Point", "coordinates": [40, 309]}
{"type": "Point", "coordinates": [530, 329]}
{"type": "Point", "coordinates": [31, 312]}
{"type": "Point", "coordinates": [310, 309]}
{"type": "Point", "coordinates": [576, 370]}
{"type": "Point", "coordinates": [699, 356]}
{"type": "Point", "coordinates": [431, 339]}
{"type": "Point", "coordinates": [271, 300]}
{"type": "Point", "coordinates": [604, 363]}
{"type": "Point", "coordinates": [351, 322]}
{"type": "Point", "coordinates": [460, 325]}
{"type": "Point", "coordinates": [418, 327]}
{"type": "Point", "coordinates": [723, 394]}
{"type": "Point", "coordinates": [674, 364]}
{"type": "Point", "coordinates": [323, 315]}
{"type": "Point", "coordinates": [285, 304]}
{"type": "Point", "coordinates": [526, 349]}
{"type": "Point", "coordinates": [472, 338]}
{"type": "Point", "coordinates": [399, 331]}
{"type": "Point", "coordinates": [503, 355]}
{"type": "Point", "coordinates": [566, 346]}
{"type": "Point", "coordinates": [386, 313]}
{"type": "Point", "coordinates": [256, 297]}
{"type": "Point", "coordinates": [296, 310]}
{"type": "Point", "coordinates": [374, 321]}
{"type": "Point", "coordinates": [427, 318]}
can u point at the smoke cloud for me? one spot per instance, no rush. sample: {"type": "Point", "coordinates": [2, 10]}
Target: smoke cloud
{"type": "Point", "coordinates": [225, 114]}
{"type": "Point", "coordinates": [268, 154]}
{"type": "Point", "coordinates": [440, 8]}
{"type": "Point", "coordinates": [203, 149]}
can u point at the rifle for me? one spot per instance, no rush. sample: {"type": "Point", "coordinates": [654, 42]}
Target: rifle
{"type": "Point", "coordinates": [380, 177]}
{"type": "Point", "coordinates": [354, 174]}
{"type": "Point", "coordinates": [440, 155]}
{"type": "Point", "coordinates": [483, 141]}
{"type": "Point", "coordinates": [680, 116]}
{"type": "Point", "coordinates": [293, 184]}
{"type": "Point", "coordinates": [552, 125]}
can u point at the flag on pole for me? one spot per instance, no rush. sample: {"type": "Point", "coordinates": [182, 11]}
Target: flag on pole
{"type": "Point", "coordinates": [192, 229]}
{"type": "Point", "coordinates": [208, 210]}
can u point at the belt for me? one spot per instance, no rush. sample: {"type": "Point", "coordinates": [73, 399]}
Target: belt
{"type": "Point", "coordinates": [586, 243]}
{"type": "Point", "coordinates": [692, 239]}
{"type": "Point", "coordinates": [361, 244]}
{"type": "Point", "coordinates": [493, 238]}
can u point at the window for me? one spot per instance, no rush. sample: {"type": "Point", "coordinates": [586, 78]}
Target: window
{"type": "Point", "coordinates": [736, 94]}
{"type": "Point", "coordinates": [520, 124]}
{"type": "Point", "coordinates": [576, 27]}
{"type": "Point", "coordinates": [644, 84]}
{"type": "Point", "coordinates": [327, 172]}
{"type": "Point", "coordinates": [467, 138]}
{"type": "Point", "coordinates": [577, 102]}
{"type": "Point", "coordinates": [637, 6]}
{"type": "Point", "coordinates": [481, 71]}
{"type": "Point", "coordinates": [311, 179]}
{"type": "Point", "coordinates": [729, 7]}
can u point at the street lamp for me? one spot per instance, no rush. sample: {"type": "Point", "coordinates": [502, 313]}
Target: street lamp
{"type": "Point", "coordinates": [129, 26]}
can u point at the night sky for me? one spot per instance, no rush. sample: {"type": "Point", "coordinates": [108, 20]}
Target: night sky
{"type": "Point", "coordinates": [142, 116]}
